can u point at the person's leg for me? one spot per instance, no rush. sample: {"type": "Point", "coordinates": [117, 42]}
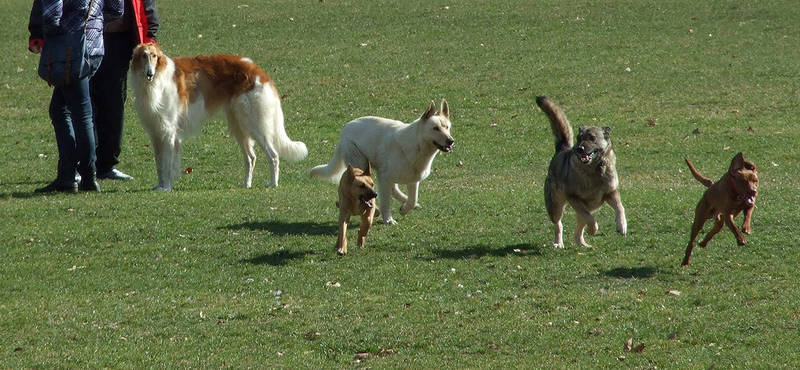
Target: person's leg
{"type": "Point", "coordinates": [79, 104]}
{"type": "Point", "coordinates": [65, 141]}
{"type": "Point", "coordinates": [108, 89]}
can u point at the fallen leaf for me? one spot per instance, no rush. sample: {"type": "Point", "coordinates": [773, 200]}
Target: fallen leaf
{"type": "Point", "coordinates": [725, 147]}
{"type": "Point", "coordinates": [674, 292]}
{"type": "Point", "coordinates": [651, 122]}
{"type": "Point", "coordinates": [672, 336]}
{"type": "Point", "coordinates": [696, 131]}
{"type": "Point", "coordinates": [639, 348]}
{"type": "Point", "coordinates": [750, 129]}
{"type": "Point", "coordinates": [628, 345]}
{"type": "Point", "coordinates": [312, 335]}
{"type": "Point", "coordinates": [333, 284]}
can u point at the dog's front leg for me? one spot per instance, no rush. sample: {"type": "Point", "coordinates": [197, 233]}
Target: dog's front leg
{"type": "Point", "coordinates": [385, 200]}
{"type": "Point", "coordinates": [411, 203]}
{"type": "Point", "coordinates": [718, 223]}
{"type": "Point", "coordinates": [341, 241]}
{"type": "Point", "coordinates": [615, 202]}
{"type": "Point", "coordinates": [729, 221]}
{"type": "Point", "coordinates": [366, 223]}
{"type": "Point", "coordinates": [746, 224]}
{"type": "Point", "coordinates": [164, 148]}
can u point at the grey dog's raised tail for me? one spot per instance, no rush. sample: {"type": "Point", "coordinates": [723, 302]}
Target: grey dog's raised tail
{"type": "Point", "coordinates": [558, 122]}
{"type": "Point", "coordinates": [703, 180]}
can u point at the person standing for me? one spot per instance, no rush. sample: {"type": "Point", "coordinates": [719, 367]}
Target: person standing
{"type": "Point", "coordinates": [70, 105]}
{"type": "Point", "coordinates": [108, 87]}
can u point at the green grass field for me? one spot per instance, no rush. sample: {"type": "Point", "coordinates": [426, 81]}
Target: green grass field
{"type": "Point", "coordinates": [214, 276]}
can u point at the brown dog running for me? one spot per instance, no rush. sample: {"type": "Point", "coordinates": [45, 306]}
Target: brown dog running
{"type": "Point", "coordinates": [735, 192]}
{"type": "Point", "coordinates": [356, 198]}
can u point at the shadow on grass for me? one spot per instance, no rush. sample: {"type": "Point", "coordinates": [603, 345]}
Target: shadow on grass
{"type": "Point", "coordinates": [632, 272]}
{"type": "Point", "coordinates": [279, 258]}
{"type": "Point", "coordinates": [483, 251]}
{"type": "Point", "coordinates": [281, 228]}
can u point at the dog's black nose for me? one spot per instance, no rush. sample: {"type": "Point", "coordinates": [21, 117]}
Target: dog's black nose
{"type": "Point", "coordinates": [450, 141]}
{"type": "Point", "coordinates": [581, 149]}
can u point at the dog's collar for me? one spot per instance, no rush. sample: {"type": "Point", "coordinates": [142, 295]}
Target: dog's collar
{"type": "Point", "coordinates": [738, 195]}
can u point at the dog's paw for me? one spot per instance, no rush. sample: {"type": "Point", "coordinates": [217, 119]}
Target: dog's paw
{"type": "Point", "coordinates": [622, 229]}
{"type": "Point", "coordinates": [161, 188]}
{"type": "Point", "coordinates": [592, 228]}
{"type": "Point", "coordinates": [746, 230]}
{"type": "Point", "coordinates": [741, 242]}
{"type": "Point", "coordinates": [390, 221]}
{"type": "Point", "coordinates": [245, 185]}
{"type": "Point", "coordinates": [404, 210]}
{"type": "Point", "coordinates": [558, 245]}
{"type": "Point", "coordinates": [270, 185]}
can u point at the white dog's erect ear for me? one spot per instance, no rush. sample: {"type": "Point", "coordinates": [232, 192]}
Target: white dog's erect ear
{"type": "Point", "coordinates": [430, 112]}
{"type": "Point", "coordinates": [444, 110]}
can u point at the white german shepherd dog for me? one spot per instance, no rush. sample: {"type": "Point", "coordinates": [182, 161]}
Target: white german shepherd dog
{"type": "Point", "coordinates": [399, 153]}
{"type": "Point", "coordinates": [175, 96]}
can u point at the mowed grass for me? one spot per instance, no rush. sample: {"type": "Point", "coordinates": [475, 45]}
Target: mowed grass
{"type": "Point", "coordinates": [213, 276]}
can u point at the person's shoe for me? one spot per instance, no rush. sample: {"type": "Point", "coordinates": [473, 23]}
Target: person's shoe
{"type": "Point", "coordinates": [88, 184]}
{"type": "Point", "coordinates": [58, 186]}
{"type": "Point", "coordinates": [114, 174]}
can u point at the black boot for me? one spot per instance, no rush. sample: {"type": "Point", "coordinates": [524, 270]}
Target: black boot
{"type": "Point", "coordinates": [88, 178]}
{"type": "Point", "coordinates": [64, 182]}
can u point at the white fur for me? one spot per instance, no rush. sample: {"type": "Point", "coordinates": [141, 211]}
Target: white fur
{"type": "Point", "coordinates": [398, 153]}
{"type": "Point", "coordinates": [254, 116]}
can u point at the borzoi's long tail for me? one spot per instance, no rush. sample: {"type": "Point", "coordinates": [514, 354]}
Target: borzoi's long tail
{"type": "Point", "coordinates": [333, 170]}
{"type": "Point", "coordinates": [292, 151]}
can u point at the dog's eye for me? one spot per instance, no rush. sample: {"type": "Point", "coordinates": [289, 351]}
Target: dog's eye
{"type": "Point", "coordinates": [436, 128]}
{"type": "Point", "coordinates": [363, 186]}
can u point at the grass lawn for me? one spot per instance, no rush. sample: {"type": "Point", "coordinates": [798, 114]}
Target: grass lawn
{"type": "Point", "coordinates": [214, 276]}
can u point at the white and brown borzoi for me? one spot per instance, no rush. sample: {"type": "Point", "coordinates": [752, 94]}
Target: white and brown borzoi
{"type": "Point", "coordinates": [175, 96]}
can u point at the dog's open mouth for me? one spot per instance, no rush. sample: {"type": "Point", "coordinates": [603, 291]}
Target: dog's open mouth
{"type": "Point", "coordinates": [445, 149]}
{"type": "Point", "coordinates": [749, 200]}
{"type": "Point", "coordinates": [587, 158]}
{"type": "Point", "coordinates": [369, 202]}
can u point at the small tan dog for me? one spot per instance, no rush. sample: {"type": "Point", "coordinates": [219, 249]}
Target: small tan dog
{"type": "Point", "coordinates": [735, 192]}
{"type": "Point", "coordinates": [356, 198]}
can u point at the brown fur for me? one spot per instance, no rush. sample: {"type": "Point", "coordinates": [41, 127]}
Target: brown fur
{"type": "Point", "coordinates": [723, 200]}
{"type": "Point", "coordinates": [583, 176]}
{"type": "Point", "coordinates": [356, 198]}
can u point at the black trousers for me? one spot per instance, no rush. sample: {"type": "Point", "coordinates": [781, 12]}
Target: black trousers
{"type": "Point", "coordinates": [109, 91]}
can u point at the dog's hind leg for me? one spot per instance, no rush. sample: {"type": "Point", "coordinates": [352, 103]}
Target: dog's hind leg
{"type": "Point", "coordinates": [579, 232]}
{"type": "Point", "coordinates": [245, 142]}
{"type": "Point", "coordinates": [385, 199]}
{"type": "Point", "coordinates": [411, 201]}
{"type": "Point", "coordinates": [615, 202]}
{"type": "Point", "coordinates": [583, 214]}
{"type": "Point", "coordinates": [398, 194]}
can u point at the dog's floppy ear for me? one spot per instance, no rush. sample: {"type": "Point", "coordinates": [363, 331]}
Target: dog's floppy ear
{"type": "Point", "coordinates": [444, 110]}
{"type": "Point", "coordinates": [430, 112]}
{"type": "Point", "coordinates": [737, 163]}
{"type": "Point", "coordinates": [368, 170]}
{"type": "Point", "coordinates": [607, 132]}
